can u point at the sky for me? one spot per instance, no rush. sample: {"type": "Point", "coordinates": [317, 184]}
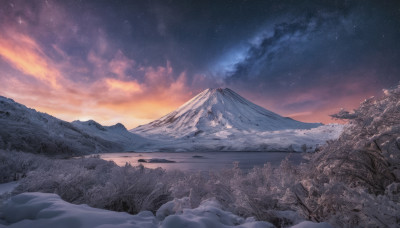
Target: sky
{"type": "Point", "coordinates": [135, 61]}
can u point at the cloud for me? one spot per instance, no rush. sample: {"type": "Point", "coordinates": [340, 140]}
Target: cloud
{"type": "Point", "coordinates": [97, 81]}
{"type": "Point", "coordinates": [131, 86]}
{"type": "Point", "coordinates": [159, 93]}
{"type": "Point", "coordinates": [317, 101]}
{"type": "Point", "coordinates": [120, 65]}
{"type": "Point", "coordinates": [24, 54]}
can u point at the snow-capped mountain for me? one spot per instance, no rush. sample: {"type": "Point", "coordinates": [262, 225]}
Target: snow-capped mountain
{"type": "Point", "coordinates": [27, 130]}
{"type": "Point", "coordinates": [215, 110]}
{"type": "Point", "coordinates": [220, 119]}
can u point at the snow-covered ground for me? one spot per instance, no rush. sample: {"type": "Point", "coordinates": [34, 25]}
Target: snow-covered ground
{"type": "Point", "coordinates": [8, 187]}
{"type": "Point", "coordinates": [281, 140]}
{"type": "Point", "coordinates": [49, 210]}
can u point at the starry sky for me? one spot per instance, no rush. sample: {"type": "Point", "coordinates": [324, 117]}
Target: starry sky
{"type": "Point", "coordinates": [135, 61]}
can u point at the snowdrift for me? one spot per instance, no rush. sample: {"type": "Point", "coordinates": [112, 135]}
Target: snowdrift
{"type": "Point", "coordinates": [49, 210]}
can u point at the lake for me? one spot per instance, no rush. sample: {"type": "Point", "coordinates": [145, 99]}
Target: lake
{"type": "Point", "coordinates": [201, 161]}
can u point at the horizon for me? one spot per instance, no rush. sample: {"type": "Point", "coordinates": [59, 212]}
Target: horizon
{"type": "Point", "coordinates": [134, 62]}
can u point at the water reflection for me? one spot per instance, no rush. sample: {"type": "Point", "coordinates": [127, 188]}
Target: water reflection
{"type": "Point", "coordinates": [205, 161]}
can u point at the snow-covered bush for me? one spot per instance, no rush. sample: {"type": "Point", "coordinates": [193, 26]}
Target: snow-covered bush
{"type": "Point", "coordinates": [353, 180]}
{"type": "Point", "coordinates": [256, 193]}
{"type": "Point", "coordinates": [368, 152]}
{"type": "Point", "coordinates": [100, 183]}
{"type": "Point", "coordinates": [103, 184]}
{"type": "Point", "coordinates": [16, 165]}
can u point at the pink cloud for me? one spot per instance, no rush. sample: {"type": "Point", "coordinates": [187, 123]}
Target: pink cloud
{"type": "Point", "coordinates": [24, 54]}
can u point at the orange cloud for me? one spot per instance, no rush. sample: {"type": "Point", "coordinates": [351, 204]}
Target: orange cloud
{"type": "Point", "coordinates": [120, 64]}
{"type": "Point", "coordinates": [25, 55]}
{"type": "Point", "coordinates": [159, 94]}
{"type": "Point", "coordinates": [131, 86]}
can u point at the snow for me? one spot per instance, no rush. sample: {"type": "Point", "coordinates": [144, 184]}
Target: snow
{"type": "Point", "coordinates": [308, 224]}
{"type": "Point", "coordinates": [8, 187]}
{"type": "Point", "coordinates": [49, 210]}
{"type": "Point", "coordinates": [222, 120]}
{"type": "Point", "coordinates": [282, 140]}
{"type": "Point", "coordinates": [177, 213]}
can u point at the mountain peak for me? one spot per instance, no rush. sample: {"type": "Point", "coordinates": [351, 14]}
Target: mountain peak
{"type": "Point", "coordinates": [118, 126]}
{"type": "Point", "coordinates": [217, 90]}
{"type": "Point", "coordinates": [90, 123]}
{"type": "Point", "coordinates": [220, 90]}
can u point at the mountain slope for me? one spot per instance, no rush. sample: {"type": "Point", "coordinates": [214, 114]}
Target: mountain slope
{"type": "Point", "coordinates": [220, 119]}
{"type": "Point", "coordinates": [27, 130]}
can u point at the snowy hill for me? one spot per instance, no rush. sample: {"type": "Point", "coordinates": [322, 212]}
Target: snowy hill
{"type": "Point", "coordinates": [27, 130]}
{"type": "Point", "coordinates": [220, 119]}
